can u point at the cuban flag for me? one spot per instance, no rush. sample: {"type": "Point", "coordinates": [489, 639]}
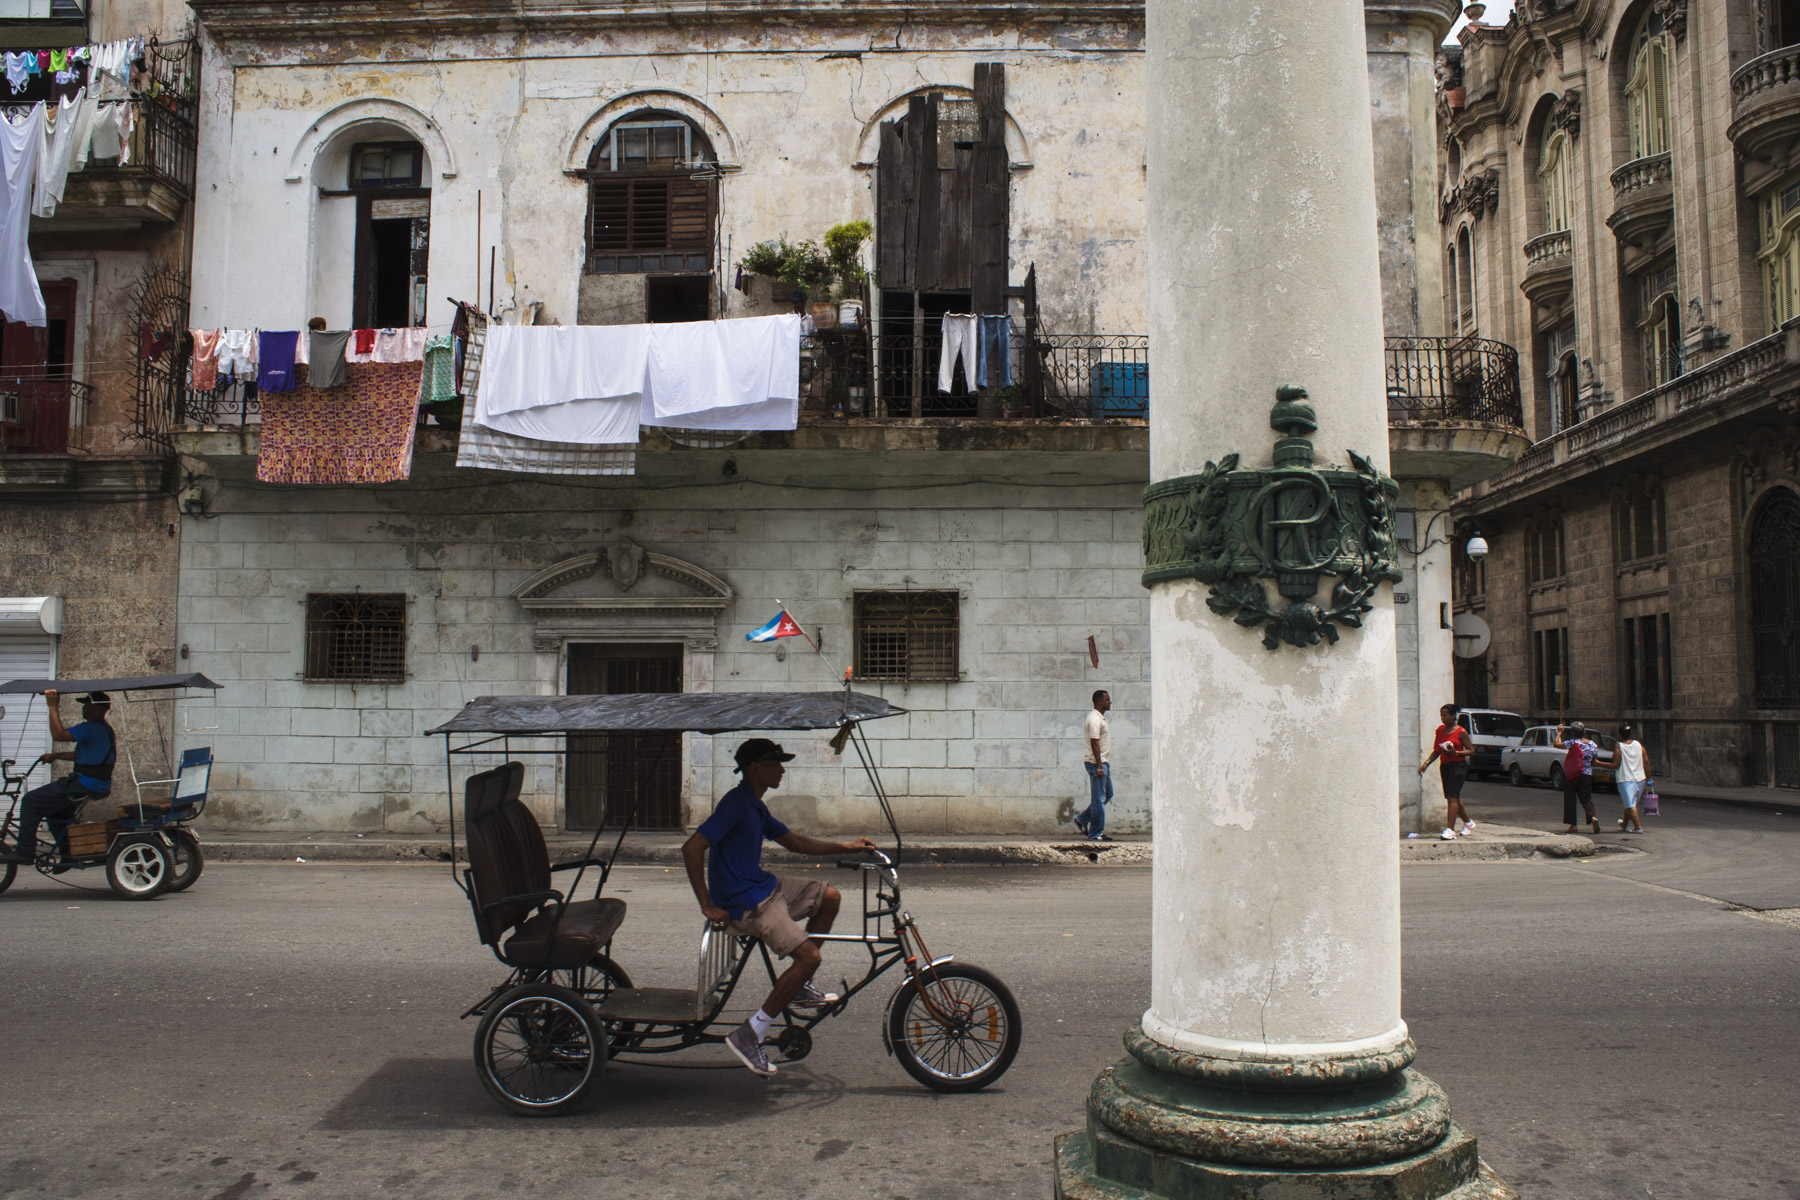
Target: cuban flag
{"type": "Point", "coordinates": [782, 626]}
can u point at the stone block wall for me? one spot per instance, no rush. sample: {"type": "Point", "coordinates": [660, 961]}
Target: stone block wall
{"type": "Point", "coordinates": [1038, 570]}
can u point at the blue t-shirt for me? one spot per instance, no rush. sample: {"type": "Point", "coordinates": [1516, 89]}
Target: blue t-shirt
{"type": "Point", "coordinates": [94, 747]}
{"type": "Point", "coordinates": [735, 878]}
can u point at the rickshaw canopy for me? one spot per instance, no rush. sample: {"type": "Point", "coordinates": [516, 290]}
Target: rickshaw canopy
{"type": "Point", "coordinates": [665, 712]}
{"type": "Point", "coordinates": [142, 683]}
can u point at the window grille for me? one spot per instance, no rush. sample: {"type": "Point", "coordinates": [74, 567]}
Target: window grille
{"type": "Point", "coordinates": [356, 638]}
{"type": "Point", "coordinates": [907, 636]}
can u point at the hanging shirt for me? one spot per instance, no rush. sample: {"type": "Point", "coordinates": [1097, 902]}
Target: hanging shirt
{"type": "Point", "coordinates": [21, 151]}
{"type": "Point", "coordinates": [237, 353]}
{"type": "Point", "coordinates": [18, 71]}
{"type": "Point", "coordinates": [275, 361]}
{"type": "Point", "coordinates": [203, 369]}
{"type": "Point", "coordinates": [365, 341]}
{"type": "Point", "coordinates": [326, 367]}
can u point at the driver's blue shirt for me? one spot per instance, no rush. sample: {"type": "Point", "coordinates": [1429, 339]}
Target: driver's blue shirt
{"type": "Point", "coordinates": [735, 878]}
{"type": "Point", "coordinates": [94, 747]}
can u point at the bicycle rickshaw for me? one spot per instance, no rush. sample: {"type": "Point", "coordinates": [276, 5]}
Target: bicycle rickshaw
{"type": "Point", "coordinates": [146, 848]}
{"type": "Point", "coordinates": [566, 1006]}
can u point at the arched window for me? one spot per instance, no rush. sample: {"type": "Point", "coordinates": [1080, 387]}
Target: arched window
{"type": "Point", "coordinates": [1647, 91]}
{"type": "Point", "coordinates": [1775, 601]}
{"type": "Point", "coordinates": [1778, 228]}
{"type": "Point", "coordinates": [652, 198]}
{"type": "Point", "coordinates": [1553, 181]}
{"type": "Point", "coordinates": [1662, 342]}
{"type": "Point", "coordinates": [1465, 282]}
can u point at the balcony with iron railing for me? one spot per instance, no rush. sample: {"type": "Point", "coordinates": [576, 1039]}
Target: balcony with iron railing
{"type": "Point", "coordinates": [36, 410]}
{"type": "Point", "coordinates": [1454, 409]}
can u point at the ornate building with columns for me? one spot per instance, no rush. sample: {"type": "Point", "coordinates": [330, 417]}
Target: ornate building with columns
{"type": "Point", "coordinates": [1621, 202]}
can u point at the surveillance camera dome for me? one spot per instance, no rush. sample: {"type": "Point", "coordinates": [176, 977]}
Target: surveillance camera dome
{"type": "Point", "coordinates": [1477, 548]}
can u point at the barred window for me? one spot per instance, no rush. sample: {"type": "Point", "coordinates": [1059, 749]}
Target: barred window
{"type": "Point", "coordinates": [356, 638]}
{"type": "Point", "coordinates": [907, 636]}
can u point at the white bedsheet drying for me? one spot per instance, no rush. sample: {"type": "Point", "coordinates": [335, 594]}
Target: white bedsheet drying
{"type": "Point", "coordinates": [536, 366]}
{"type": "Point", "coordinates": [699, 369]}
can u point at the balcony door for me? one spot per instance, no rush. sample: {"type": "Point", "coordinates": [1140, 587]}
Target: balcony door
{"type": "Point", "coordinates": [611, 776]}
{"type": "Point", "coordinates": [37, 363]}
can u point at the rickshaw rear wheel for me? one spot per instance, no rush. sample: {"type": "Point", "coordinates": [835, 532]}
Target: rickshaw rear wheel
{"type": "Point", "coordinates": [6, 876]}
{"type": "Point", "coordinates": [139, 868]}
{"type": "Point", "coordinates": [189, 860]}
{"type": "Point", "coordinates": [964, 1038]}
{"type": "Point", "coordinates": [600, 978]}
{"type": "Point", "coordinates": [540, 1049]}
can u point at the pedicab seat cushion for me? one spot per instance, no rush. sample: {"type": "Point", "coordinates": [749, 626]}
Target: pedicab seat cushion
{"type": "Point", "coordinates": [586, 926]}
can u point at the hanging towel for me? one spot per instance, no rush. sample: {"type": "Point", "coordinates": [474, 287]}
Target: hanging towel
{"type": "Point", "coordinates": [398, 346]}
{"type": "Point", "coordinates": [362, 436]}
{"type": "Point", "coordinates": [535, 366]}
{"type": "Point", "coordinates": [21, 152]}
{"type": "Point", "coordinates": [962, 334]}
{"type": "Point", "coordinates": [439, 380]}
{"type": "Point", "coordinates": [724, 375]}
{"type": "Point", "coordinates": [994, 368]}
{"type": "Point", "coordinates": [275, 361]}
{"type": "Point", "coordinates": [66, 149]}
{"type": "Point", "coordinates": [326, 367]}
{"type": "Point", "coordinates": [203, 367]}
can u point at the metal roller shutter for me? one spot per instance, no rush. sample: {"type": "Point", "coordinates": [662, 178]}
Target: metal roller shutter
{"type": "Point", "coordinates": [24, 731]}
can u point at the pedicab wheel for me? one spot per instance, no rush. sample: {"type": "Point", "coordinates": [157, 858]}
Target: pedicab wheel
{"type": "Point", "coordinates": [1515, 776]}
{"type": "Point", "coordinates": [959, 1033]}
{"type": "Point", "coordinates": [6, 876]}
{"type": "Point", "coordinates": [139, 868]}
{"type": "Point", "coordinates": [599, 978]}
{"type": "Point", "coordinates": [539, 1050]}
{"type": "Point", "coordinates": [189, 860]}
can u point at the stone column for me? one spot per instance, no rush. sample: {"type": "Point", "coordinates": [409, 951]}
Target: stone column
{"type": "Point", "coordinates": [1273, 1057]}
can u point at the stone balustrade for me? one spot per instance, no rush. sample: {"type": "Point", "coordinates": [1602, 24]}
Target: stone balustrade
{"type": "Point", "coordinates": [1642, 175]}
{"type": "Point", "coordinates": [1765, 102]}
{"type": "Point", "coordinates": [1545, 251]}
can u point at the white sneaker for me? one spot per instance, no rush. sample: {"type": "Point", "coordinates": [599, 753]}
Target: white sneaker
{"type": "Point", "coordinates": [1468, 828]}
{"type": "Point", "coordinates": [1449, 835]}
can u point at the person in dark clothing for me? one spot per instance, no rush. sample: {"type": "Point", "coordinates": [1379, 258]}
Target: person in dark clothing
{"type": "Point", "coordinates": [96, 750]}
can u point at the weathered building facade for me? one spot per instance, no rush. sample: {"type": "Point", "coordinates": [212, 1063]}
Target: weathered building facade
{"type": "Point", "coordinates": [973, 557]}
{"type": "Point", "coordinates": [1616, 186]}
{"type": "Point", "coordinates": [88, 523]}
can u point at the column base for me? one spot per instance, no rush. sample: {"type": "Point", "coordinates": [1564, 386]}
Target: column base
{"type": "Point", "coordinates": [1449, 1171]}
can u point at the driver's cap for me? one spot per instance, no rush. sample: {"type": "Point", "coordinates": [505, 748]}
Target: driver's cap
{"type": "Point", "coordinates": [759, 750]}
{"type": "Point", "coordinates": [96, 698]}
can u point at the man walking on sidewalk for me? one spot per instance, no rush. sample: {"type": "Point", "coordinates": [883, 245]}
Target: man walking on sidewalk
{"type": "Point", "coordinates": [1098, 761]}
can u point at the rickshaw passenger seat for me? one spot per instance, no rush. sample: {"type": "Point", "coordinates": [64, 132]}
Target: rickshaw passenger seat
{"type": "Point", "coordinates": [509, 869]}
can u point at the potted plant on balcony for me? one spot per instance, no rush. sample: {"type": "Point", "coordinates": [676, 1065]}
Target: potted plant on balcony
{"type": "Point", "coordinates": [843, 250]}
{"type": "Point", "coordinates": [800, 270]}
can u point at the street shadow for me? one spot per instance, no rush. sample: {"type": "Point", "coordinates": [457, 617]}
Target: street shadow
{"type": "Point", "coordinates": [446, 1094]}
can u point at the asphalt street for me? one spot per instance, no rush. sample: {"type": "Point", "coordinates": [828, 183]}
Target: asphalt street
{"type": "Point", "coordinates": [1608, 1028]}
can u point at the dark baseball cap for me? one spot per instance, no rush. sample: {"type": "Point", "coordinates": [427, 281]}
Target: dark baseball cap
{"type": "Point", "coordinates": [96, 698]}
{"type": "Point", "coordinates": [760, 750]}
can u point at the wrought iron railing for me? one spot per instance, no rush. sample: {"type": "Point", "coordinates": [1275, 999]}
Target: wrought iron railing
{"type": "Point", "coordinates": [1453, 379]}
{"type": "Point", "coordinates": [36, 411]}
{"type": "Point", "coordinates": [165, 103]}
{"type": "Point", "coordinates": [233, 402]}
{"type": "Point", "coordinates": [857, 374]}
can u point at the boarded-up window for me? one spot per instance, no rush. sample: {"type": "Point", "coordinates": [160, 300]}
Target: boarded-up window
{"type": "Point", "coordinates": [356, 638]}
{"type": "Point", "coordinates": [907, 636]}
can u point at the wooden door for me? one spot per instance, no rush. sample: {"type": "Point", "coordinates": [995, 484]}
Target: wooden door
{"type": "Point", "coordinates": [617, 778]}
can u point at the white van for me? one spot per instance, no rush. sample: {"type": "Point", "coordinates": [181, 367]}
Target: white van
{"type": "Point", "coordinates": [1491, 730]}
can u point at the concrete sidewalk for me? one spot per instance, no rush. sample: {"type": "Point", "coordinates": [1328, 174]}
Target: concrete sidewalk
{"type": "Point", "coordinates": [1771, 799]}
{"type": "Point", "coordinates": [664, 848]}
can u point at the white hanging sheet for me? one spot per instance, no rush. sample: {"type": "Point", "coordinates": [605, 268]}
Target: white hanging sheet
{"type": "Point", "coordinates": [21, 154]}
{"type": "Point", "coordinates": [541, 366]}
{"type": "Point", "coordinates": [65, 150]}
{"type": "Point", "coordinates": [701, 367]}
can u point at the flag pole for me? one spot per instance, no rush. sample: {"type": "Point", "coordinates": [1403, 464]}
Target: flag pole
{"type": "Point", "coordinates": [782, 605]}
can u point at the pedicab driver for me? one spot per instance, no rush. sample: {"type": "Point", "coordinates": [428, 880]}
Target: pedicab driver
{"type": "Point", "coordinates": [96, 749]}
{"type": "Point", "coordinates": [737, 890]}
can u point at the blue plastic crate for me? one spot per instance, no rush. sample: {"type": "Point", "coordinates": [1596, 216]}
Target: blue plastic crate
{"type": "Point", "coordinates": [1119, 389]}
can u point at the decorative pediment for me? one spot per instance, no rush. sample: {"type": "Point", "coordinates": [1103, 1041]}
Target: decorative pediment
{"type": "Point", "coordinates": [624, 579]}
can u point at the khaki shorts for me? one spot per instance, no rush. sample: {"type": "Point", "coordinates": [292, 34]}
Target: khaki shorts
{"type": "Point", "coordinates": [776, 921]}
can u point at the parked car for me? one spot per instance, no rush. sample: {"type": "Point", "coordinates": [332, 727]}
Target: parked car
{"type": "Point", "coordinates": [1491, 731]}
{"type": "Point", "coordinates": [1535, 757]}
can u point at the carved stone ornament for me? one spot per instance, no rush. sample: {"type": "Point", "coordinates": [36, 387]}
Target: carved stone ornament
{"type": "Point", "coordinates": [1674, 15]}
{"type": "Point", "coordinates": [1565, 114]}
{"type": "Point", "coordinates": [625, 563]}
{"type": "Point", "coordinates": [1292, 522]}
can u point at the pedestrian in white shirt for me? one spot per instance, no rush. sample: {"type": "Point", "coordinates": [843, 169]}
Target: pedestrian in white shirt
{"type": "Point", "coordinates": [1097, 758]}
{"type": "Point", "coordinates": [1632, 777]}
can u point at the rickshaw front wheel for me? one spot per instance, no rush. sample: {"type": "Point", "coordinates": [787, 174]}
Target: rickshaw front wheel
{"type": "Point", "coordinates": [539, 1050]}
{"type": "Point", "coordinates": [6, 876]}
{"type": "Point", "coordinates": [189, 861]}
{"type": "Point", "coordinates": [139, 868]}
{"type": "Point", "coordinates": [959, 1032]}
